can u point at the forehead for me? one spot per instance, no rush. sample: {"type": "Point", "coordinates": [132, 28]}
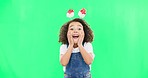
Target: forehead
{"type": "Point", "coordinates": [75, 24]}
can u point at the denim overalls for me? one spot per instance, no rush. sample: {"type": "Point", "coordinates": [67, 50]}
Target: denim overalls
{"type": "Point", "coordinates": [77, 68]}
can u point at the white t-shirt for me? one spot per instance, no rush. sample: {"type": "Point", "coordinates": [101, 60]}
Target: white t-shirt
{"type": "Point", "coordinates": [87, 46]}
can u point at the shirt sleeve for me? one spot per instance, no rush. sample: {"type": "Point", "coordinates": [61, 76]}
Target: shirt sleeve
{"type": "Point", "coordinates": [89, 48]}
{"type": "Point", "coordinates": [63, 49]}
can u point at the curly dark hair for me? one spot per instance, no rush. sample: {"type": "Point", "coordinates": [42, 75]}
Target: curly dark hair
{"type": "Point", "coordinates": [88, 33]}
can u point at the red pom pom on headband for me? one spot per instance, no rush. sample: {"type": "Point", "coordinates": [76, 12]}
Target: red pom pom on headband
{"type": "Point", "coordinates": [81, 13]}
{"type": "Point", "coordinates": [70, 13]}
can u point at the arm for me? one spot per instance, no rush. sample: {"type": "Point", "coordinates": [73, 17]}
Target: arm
{"type": "Point", "coordinates": [64, 58]}
{"type": "Point", "coordinates": [88, 57]}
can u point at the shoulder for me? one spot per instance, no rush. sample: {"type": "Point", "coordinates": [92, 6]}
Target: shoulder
{"type": "Point", "coordinates": [89, 48]}
{"type": "Point", "coordinates": [63, 48]}
{"type": "Point", "coordinates": [63, 45]}
{"type": "Point", "coordinates": [87, 44]}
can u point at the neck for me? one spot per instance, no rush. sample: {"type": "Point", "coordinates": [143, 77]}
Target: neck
{"type": "Point", "coordinates": [75, 45]}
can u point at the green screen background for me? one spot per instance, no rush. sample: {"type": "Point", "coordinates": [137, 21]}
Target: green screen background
{"type": "Point", "coordinates": [29, 32]}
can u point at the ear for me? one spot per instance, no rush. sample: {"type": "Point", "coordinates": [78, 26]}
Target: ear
{"type": "Point", "coordinates": [82, 13]}
{"type": "Point", "coordinates": [70, 13]}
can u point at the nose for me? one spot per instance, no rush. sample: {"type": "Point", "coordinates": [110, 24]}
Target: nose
{"type": "Point", "coordinates": [75, 30]}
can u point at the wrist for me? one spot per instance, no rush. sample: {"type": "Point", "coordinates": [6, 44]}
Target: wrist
{"type": "Point", "coordinates": [70, 45]}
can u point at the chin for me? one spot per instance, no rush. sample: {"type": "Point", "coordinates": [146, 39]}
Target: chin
{"type": "Point", "coordinates": [75, 42]}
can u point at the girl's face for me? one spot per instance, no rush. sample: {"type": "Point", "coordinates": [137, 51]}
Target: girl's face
{"type": "Point", "coordinates": [76, 30]}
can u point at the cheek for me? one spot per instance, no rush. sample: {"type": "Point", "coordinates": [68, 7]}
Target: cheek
{"type": "Point", "coordinates": [82, 32]}
{"type": "Point", "coordinates": [69, 32]}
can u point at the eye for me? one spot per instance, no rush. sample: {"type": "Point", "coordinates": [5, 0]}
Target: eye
{"type": "Point", "coordinates": [71, 29]}
{"type": "Point", "coordinates": [79, 29]}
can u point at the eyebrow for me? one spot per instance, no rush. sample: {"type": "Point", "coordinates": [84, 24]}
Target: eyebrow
{"type": "Point", "coordinates": [80, 25]}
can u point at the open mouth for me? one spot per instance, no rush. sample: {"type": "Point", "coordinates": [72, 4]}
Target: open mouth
{"type": "Point", "coordinates": [75, 37]}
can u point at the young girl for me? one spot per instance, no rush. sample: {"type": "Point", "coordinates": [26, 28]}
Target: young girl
{"type": "Point", "coordinates": [76, 51]}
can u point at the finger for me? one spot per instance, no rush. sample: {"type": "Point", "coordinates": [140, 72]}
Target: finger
{"type": "Point", "coordinates": [71, 35]}
{"type": "Point", "coordinates": [82, 34]}
{"type": "Point", "coordinates": [79, 34]}
{"type": "Point", "coordinates": [68, 34]}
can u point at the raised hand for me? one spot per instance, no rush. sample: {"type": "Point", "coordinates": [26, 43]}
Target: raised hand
{"type": "Point", "coordinates": [70, 38]}
{"type": "Point", "coordinates": [81, 38]}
